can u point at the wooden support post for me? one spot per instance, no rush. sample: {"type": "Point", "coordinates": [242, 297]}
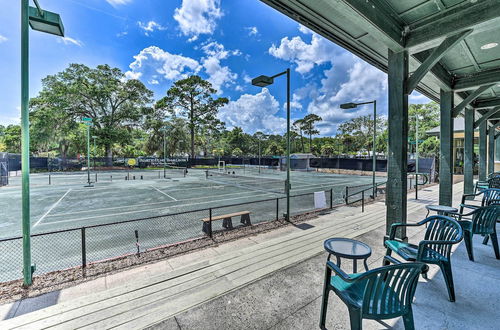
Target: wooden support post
{"type": "Point", "coordinates": [446, 149]}
{"type": "Point", "coordinates": [397, 166]}
{"type": "Point", "coordinates": [491, 149]}
{"type": "Point", "coordinates": [482, 150]}
{"type": "Point", "coordinates": [469, 152]}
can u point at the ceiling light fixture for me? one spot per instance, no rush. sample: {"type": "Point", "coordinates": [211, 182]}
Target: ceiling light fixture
{"type": "Point", "coordinates": [489, 45]}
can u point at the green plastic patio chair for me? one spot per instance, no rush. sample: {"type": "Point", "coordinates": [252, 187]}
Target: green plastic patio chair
{"type": "Point", "coordinates": [440, 235]}
{"type": "Point", "coordinates": [381, 293]}
{"type": "Point", "coordinates": [483, 222]}
{"type": "Point", "coordinates": [492, 182]}
{"type": "Point", "coordinates": [489, 195]}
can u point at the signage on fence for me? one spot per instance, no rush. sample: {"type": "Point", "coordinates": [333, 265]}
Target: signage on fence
{"type": "Point", "coordinates": [319, 200]}
{"type": "Point", "coordinates": [131, 162]}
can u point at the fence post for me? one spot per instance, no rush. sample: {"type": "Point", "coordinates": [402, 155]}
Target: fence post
{"type": "Point", "coordinates": [49, 179]}
{"type": "Point", "coordinates": [416, 186]}
{"type": "Point", "coordinates": [111, 178]}
{"type": "Point", "coordinates": [331, 198]}
{"type": "Point", "coordinates": [95, 176]}
{"type": "Point", "coordinates": [346, 195]}
{"type": "Point", "coordinates": [277, 209]}
{"type": "Point", "coordinates": [84, 248]}
{"type": "Point", "coordinates": [363, 201]}
{"type": "Point", "coordinates": [210, 222]}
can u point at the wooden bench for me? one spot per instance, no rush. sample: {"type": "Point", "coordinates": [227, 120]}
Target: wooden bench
{"type": "Point", "coordinates": [227, 222]}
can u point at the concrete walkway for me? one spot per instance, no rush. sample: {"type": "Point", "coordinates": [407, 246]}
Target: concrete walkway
{"type": "Point", "coordinates": [272, 280]}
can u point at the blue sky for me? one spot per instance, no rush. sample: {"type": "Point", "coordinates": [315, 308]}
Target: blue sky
{"type": "Point", "coordinates": [226, 42]}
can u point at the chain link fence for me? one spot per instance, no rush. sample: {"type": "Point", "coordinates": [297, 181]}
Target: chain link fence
{"type": "Point", "coordinates": [59, 250]}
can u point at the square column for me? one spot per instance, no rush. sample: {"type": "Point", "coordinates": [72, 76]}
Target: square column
{"type": "Point", "coordinates": [491, 149]}
{"type": "Point", "coordinates": [397, 161]}
{"type": "Point", "coordinates": [483, 131]}
{"type": "Point", "coordinates": [446, 149]}
{"type": "Point", "coordinates": [497, 149]}
{"type": "Point", "coordinates": [469, 152]}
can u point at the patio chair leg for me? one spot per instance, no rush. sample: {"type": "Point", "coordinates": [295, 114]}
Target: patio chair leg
{"type": "Point", "coordinates": [468, 245]}
{"type": "Point", "coordinates": [356, 319]}
{"type": "Point", "coordinates": [494, 242]}
{"type": "Point", "coordinates": [408, 320]}
{"type": "Point", "coordinates": [386, 262]}
{"type": "Point", "coordinates": [324, 301]}
{"type": "Point", "coordinates": [448, 278]}
{"type": "Point", "coordinates": [485, 240]}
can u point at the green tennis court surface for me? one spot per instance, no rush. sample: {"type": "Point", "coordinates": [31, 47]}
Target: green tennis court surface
{"type": "Point", "coordinates": [171, 210]}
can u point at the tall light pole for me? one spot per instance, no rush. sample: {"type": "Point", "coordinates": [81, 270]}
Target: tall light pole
{"type": "Point", "coordinates": [374, 153]}
{"type": "Point", "coordinates": [95, 150]}
{"type": "Point", "coordinates": [263, 81]}
{"type": "Point", "coordinates": [48, 22]}
{"type": "Point", "coordinates": [416, 146]}
{"type": "Point", "coordinates": [88, 122]}
{"type": "Point", "coordinates": [164, 130]}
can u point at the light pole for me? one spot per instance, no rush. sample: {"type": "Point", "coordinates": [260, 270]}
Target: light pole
{"type": "Point", "coordinates": [164, 130]}
{"type": "Point", "coordinates": [48, 22]}
{"type": "Point", "coordinates": [88, 122]}
{"type": "Point", "coordinates": [263, 81]}
{"type": "Point", "coordinates": [95, 150]}
{"type": "Point", "coordinates": [416, 145]}
{"type": "Point", "coordinates": [374, 153]}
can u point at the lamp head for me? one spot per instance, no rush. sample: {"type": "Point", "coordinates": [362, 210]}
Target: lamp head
{"type": "Point", "coordinates": [262, 81]}
{"type": "Point", "coordinates": [46, 21]}
{"type": "Point", "coordinates": [348, 105]}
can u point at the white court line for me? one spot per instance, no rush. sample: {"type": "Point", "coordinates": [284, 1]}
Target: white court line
{"type": "Point", "coordinates": [161, 192]}
{"type": "Point", "coordinates": [145, 210]}
{"type": "Point", "coordinates": [148, 204]}
{"type": "Point", "coordinates": [51, 208]}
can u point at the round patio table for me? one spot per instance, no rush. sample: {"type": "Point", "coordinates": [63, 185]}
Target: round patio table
{"type": "Point", "coordinates": [349, 249]}
{"type": "Point", "coordinates": [440, 209]}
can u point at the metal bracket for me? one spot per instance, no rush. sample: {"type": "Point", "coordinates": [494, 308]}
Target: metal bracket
{"type": "Point", "coordinates": [434, 57]}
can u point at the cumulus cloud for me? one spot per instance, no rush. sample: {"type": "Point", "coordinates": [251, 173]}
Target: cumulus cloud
{"type": "Point", "coordinates": [258, 112]}
{"type": "Point", "coordinates": [150, 26]}
{"type": "Point", "coordinates": [115, 3]}
{"type": "Point", "coordinates": [218, 75]}
{"type": "Point", "coordinates": [71, 41]}
{"type": "Point", "coordinates": [304, 55]}
{"type": "Point", "coordinates": [252, 31]}
{"type": "Point", "coordinates": [417, 98]}
{"type": "Point", "coordinates": [197, 17]}
{"type": "Point", "coordinates": [364, 83]}
{"type": "Point", "coordinates": [3, 39]}
{"type": "Point", "coordinates": [154, 61]}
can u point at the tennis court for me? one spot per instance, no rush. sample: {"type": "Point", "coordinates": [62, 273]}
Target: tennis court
{"type": "Point", "coordinates": [170, 209]}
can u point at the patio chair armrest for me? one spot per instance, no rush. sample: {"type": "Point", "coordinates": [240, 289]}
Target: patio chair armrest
{"type": "Point", "coordinates": [336, 269]}
{"type": "Point", "coordinates": [395, 226]}
{"type": "Point", "coordinates": [470, 206]}
{"type": "Point", "coordinates": [464, 196]}
{"type": "Point", "coordinates": [424, 243]}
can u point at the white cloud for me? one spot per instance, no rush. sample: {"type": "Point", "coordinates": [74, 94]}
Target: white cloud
{"type": "Point", "coordinates": [197, 17]}
{"type": "Point", "coordinates": [252, 31]}
{"type": "Point", "coordinates": [71, 41]}
{"type": "Point", "coordinates": [417, 98]}
{"type": "Point", "coordinates": [150, 26]}
{"type": "Point", "coordinates": [247, 79]}
{"type": "Point", "coordinates": [364, 83]}
{"type": "Point", "coordinates": [115, 3]}
{"type": "Point", "coordinates": [154, 61]}
{"type": "Point", "coordinates": [218, 75]}
{"type": "Point", "coordinates": [254, 113]}
{"type": "Point", "coordinates": [304, 55]}
{"type": "Point", "coordinates": [304, 29]}
{"type": "Point", "coordinates": [3, 39]}
{"type": "Point", "coordinates": [121, 34]}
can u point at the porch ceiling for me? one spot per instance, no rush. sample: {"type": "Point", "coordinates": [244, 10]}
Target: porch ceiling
{"type": "Point", "coordinates": [369, 28]}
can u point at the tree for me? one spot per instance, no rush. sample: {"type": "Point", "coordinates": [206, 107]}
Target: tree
{"type": "Point", "coordinates": [308, 124]}
{"type": "Point", "coordinates": [115, 105]}
{"type": "Point", "coordinates": [327, 150]}
{"type": "Point", "coordinates": [192, 98]}
{"type": "Point", "coordinates": [12, 138]}
{"type": "Point", "coordinates": [298, 127]}
{"type": "Point", "coordinates": [428, 118]}
{"type": "Point", "coordinates": [361, 129]}
{"type": "Point", "coordinates": [275, 149]}
{"type": "Point", "coordinates": [237, 152]}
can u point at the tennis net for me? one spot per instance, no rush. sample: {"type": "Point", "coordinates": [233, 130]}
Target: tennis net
{"type": "Point", "coordinates": [257, 183]}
